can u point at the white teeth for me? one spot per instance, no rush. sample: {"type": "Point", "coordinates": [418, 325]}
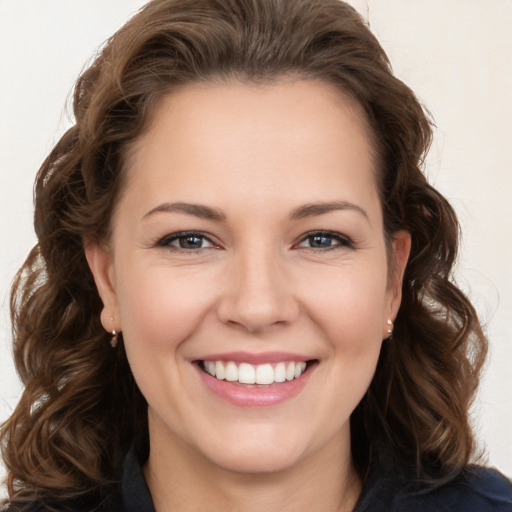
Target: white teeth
{"type": "Point", "coordinates": [290, 371]}
{"type": "Point", "coordinates": [220, 373]}
{"type": "Point", "coordinates": [280, 372]}
{"type": "Point", "coordinates": [264, 374]}
{"type": "Point", "coordinates": [231, 372]}
{"type": "Point", "coordinates": [246, 373]}
{"type": "Point", "coordinates": [209, 366]}
{"type": "Point", "coordinates": [299, 368]}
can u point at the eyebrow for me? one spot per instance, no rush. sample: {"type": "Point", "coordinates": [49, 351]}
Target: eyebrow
{"type": "Point", "coordinates": [197, 210]}
{"type": "Point", "coordinates": [302, 212]}
{"type": "Point", "coordinates": [314, 209]}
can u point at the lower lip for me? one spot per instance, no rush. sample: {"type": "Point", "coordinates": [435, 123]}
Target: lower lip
{"type": "Point", "coordinates": [255, 396]}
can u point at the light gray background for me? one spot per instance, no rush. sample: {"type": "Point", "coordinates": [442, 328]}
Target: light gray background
{"type": "Point", "coordinates": [455, 54]}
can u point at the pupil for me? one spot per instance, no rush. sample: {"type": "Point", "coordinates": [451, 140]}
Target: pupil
{"type": "Point", "coordinates": [320, 241]}
{"type": "Point", "coordinates": [190, 242]}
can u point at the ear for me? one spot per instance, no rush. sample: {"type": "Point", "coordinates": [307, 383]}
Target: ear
{"type": "Point", "coordinates": [100, 260]}
{"type": "Point", "coordinates": [401, 249]}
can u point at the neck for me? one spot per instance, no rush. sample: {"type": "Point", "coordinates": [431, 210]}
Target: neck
{"type": "Point", "coordinates": [181, 480]}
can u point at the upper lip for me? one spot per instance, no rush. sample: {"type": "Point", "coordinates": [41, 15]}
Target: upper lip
{"type": "Point", "coordinates": [252, 358]}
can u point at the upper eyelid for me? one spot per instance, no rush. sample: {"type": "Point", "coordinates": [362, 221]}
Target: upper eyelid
{"type": "Point", "coordinates": [162, 241]}
{"type": "Point", "coordinates": [334, 234]}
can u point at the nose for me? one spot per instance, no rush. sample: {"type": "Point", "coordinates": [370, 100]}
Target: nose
{"type": "Point", "coordinates": [258, 295]}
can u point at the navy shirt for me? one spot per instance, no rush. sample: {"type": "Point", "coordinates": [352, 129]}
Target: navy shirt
{"type": "Point", "coordinates": [476, 489]}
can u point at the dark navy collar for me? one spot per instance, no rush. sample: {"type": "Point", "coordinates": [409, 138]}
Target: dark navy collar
{"type": "Point", "coordinates": [136, 495]}
{"type": "Point", "coordinates": [476, 489]}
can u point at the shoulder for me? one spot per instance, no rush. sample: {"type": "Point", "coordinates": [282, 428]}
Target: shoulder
{"type": "Point", "coordinates": [475, 489]}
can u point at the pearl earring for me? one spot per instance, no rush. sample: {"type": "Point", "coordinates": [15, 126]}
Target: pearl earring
{"type": "Point", "coordinates": [114, 335]}
{"type": "Point", "coordinates": [390, 327]}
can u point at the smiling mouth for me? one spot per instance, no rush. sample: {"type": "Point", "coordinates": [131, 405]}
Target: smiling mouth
{"type": "Point", "coordinates": [261, 374]}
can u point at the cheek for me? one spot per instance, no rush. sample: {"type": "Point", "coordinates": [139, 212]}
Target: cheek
{"type": "Point", "coordinates": [348, 311]}
{"type": "Point", "coordinates": [160, 308]}
{"type": "Point", "coordinates": [349, 305]}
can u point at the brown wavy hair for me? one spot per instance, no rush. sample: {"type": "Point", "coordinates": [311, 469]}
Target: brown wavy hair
{"type": "Point", "coordinates": [81, 408]}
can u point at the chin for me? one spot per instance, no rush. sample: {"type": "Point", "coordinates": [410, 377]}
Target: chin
{"type": "Point", "coordinates": [256, 452]}
{"type": "Point", "coordinates": [256, 461]}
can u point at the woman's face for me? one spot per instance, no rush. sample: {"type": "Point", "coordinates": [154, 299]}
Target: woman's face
{"type": "Point", "coordinates": [248, 272]}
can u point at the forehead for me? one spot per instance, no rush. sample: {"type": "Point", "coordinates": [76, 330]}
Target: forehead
{"type": "Point", "coordinates": [295, 136]}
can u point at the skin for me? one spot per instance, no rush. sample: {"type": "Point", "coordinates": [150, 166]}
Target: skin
{"type": "Point", "coordinates": [256, 155]}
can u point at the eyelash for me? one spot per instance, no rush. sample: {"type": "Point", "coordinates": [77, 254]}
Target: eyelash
{"type": "Point", "coordinates": [341, 241]}
{"type": "Point", "coordinates": [167, 240]}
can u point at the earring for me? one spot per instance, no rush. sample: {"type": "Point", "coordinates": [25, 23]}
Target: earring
{"type": "Point", "coordinates": [114, 339]}
{"type": "Point", "coordinates": [114, 335]}
{"type": "Point", "coordinates": [390, 327]}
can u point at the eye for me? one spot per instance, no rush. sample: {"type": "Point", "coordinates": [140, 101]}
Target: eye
{"type": "Point", "coordinates": [186, 241]}
{"type": "Point", "coordinates": [324, 240]}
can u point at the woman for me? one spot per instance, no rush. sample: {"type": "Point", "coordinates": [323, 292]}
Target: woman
{"type": "Point", "coordinates": [240, 298]}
